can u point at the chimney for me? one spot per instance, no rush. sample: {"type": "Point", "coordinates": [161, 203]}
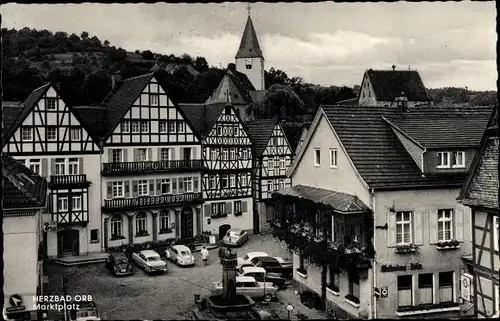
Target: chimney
{"type": "Point", "coordinates": [393, 67]}
{"type": "Point", "coordinates": [116, 80]}
{"type": "Point", "coordinates": [402, 102]}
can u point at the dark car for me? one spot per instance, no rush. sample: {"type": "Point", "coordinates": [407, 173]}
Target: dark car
{"type": "Point", "coordinates": [274, 265]}
{"type": "Point", "coordinates": [261, 275]}
{"type": "Point", "coordinates": [119, 264]}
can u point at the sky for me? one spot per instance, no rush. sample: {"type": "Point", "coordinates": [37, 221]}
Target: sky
{"type": "Point", "coordinates": [451, 44]}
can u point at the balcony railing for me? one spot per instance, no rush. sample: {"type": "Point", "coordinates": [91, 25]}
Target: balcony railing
{"type": "Point", "coordinates": [152, 201]}
{"type": "Point", "coordinates": [151, 166]}
{"type": "Point", "coordinates": [61, 181]}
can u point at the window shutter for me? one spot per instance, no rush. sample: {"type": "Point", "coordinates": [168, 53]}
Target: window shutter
{"type": "Point", "coordinates": [52, 167]}
{"type": "Point", "coordinates": [181, 185]}
{"type": "Point", "coordinates": [150, 154]}
{"type": "Point", "coordinates": [158, 187]}
{"type": "Point", "coordinates": [126, 188]}
{"type": "Point", "coordinates": [125, 154]}
{"type": "Point", "coordinates": [135, 155]}
{"type": "Point", "coordinates": [207, 210]}
{"type": "Point", "coordinates": [158, 152]}
{"type": "Point", "coordinates": [244, 208]}
{"type": "Point", "coordinates": [459, 225]}
{"type": "Point", "coordinates": [195, 184]}
{"type": "Point", "coordinates": [433, 227]}
{"type": "Point", "coordinates": [418, 228]}
{"type": "Point", "coordinates": [174, 185]}
{"type": "Point", "coordinates": [110, 155]}
{"type": "Point", "coordinates": [229, 207]}
{"type": "Point", "coordinates": [80, 160]}
{"type": "Point", "coordinates": [182, 153]}
{"type": "Point", "coordinates": [135, 191]}
{"type": "Point", "coordinates": [172, 153]}
{"type": "Point", "coordinates": [44, 170]}
{"type": "Point", "coordinates": [110, 190]}
{"type": "Point", "coordinates": [391, 229]}
{"type": "Point", "coordinates": [151, 187]}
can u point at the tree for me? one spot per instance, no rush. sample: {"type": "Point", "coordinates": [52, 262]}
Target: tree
{"type": "Point", "coordinates": [276, 76]}
{"type": "Point", "coordinates": [186, 59]}
{"type": "Point", "coordinates": [148, 55]}
{"type": "Point", "coordinates": [74, 38]}
{"type": "Point", "coordinates": [84, 35]}
{"type": "Point", "coordinates": [280, 101]}
{"type": "Point", "coordinates": [106, 43]}
{"type": "Point", "coordinates": [200, 64]}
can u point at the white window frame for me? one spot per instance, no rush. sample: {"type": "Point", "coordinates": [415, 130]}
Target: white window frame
{"type": "Point", "coordinates": [76, 199]}
{"type": "Point", "coordinates": [167, 184]}
{"type": "Point", "coordinates": [317, 157]}
{"type": "Point", "coordinates": [444, 156]}
{"type": "Point", "coordinates": [455, 164]}
{"type": "Point", "coordinates": [50, 106]}
{"type": "Point", "coordinates": [237, 206]}
{"type": "Point", "coordinates": [171, 126]}
{"type": "Point", "coordinates": [232, 154]}
{"type": "Point", "coordinates": [162, 126]}
{"type": "Point", "coordinates": [53, 130]}
{"type": "Point", "coordinates": [135, 126]}
{"type": "Point", "coordinates": [163, 220]}
{"type": "Point", "coordinates": [73, 166]}
{"type": "Point", "coordinates": [138, 153]}
{"type": "Point", "coordinates": [27, 130]}
{"type": "Point", "coordinates": [270, 163]}
{"type": "Point", "coordinates": [281, 184]}
{"type": "Point", "coordinates": [125, 126]}
{"type": "Point", "coordinates": [276, 162]}
{"type": "Point", "coordinates": [213, 154]}
{"type": "Point", "coordinates": [232, 180]}
{"type": "Point", "coordinates": [116, 225]}
{"type": "Point", "coordinates": [405, 289]}
{"type": "Point", "coordinates": [333, 157]}
{"type": "Point", "coordinates": [77, 131]}
{"type": "Point", "coordinates": [403, 222]}
{"type": "Point", "coordinates": [154, 99]}
{"type": "Point", "coordinates": [116, 152]}
{"type": "Point", "coordinates": [282, 162]}
{"type": "Point", "coordinates": [164, 152]}
{"type": "Point", "coordinates": [143, 187]}
{"type": "Point", "coordinates": [141, 223]}
{"type": "Point", "coordinates": [59, 166]}
{"type": "Point", "coordinates": [180, 126]}
{"type": "Point", "coordinates": [236, 131]}
{"type": "Point", "coordinates": [495, 226]}
{"type": "Point", "coordinates": [225, 154]}
{"type": "Point", "coordinates": [243, 181]}
{"type": "Point", "coordinates": [270, 186]}
{"type": "Point", "coordinates": [35, 165]}
{"type": "Point", "coordinates": [245, 153]}
{"type": "Point", "coordinates": [226, 179]}
{"type": "Point", "coordinates": [118, 189]}
{"type": "Point", "coordinates": [219, 130]}
{"type": "Point", "coordinates": [448, 287]}
{"type": "Point", "coordinates": [419, 287]}
{"type": "Point", "coordinates": [442, 220]}
{"type": "Point", "coordinates": [144, 126]}
{"type": "Point", "coordinates": [188, 184]}
{"type": "Point", "coordinates": [62, 200]}
{"type": "Point", "coordinates": [211, 182]}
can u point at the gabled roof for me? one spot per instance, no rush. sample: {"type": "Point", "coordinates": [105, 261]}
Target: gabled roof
{"type": "Point", "coordinates": [249, 45]}
{"type": "Point", "coordinates": [22, 188]}
{"type": "Point", "coordinates": [389, 84]}
{"type": "Point", "coordinates": [257, 95]}
{"type": "Point", "coordinates": [340, 202]}
{"type": "Point", "coordinates": [293, 132]}
{"type": "Point", "coordinates": [202, 117]}
{"type": "Point", "coordinates": [444, 127]}
{"type": "Point", "coordinates": [352, 101]}
{"type": "Point", "coordinates": [260, 132]}
{"type": "Point", "coordinates": [239, 87]}
{"type": "Point", "coordinates": [94, 120]}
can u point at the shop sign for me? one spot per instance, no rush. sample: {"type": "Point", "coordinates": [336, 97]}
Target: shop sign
{"type": "Point", "coordinates": [16, 303]}
{"type": "Point", "coordinates": [400, 267]}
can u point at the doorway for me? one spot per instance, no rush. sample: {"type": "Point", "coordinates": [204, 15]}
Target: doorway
{"type": "Point", "coordinates": [68, 243]}
{"type": "Point", "coordinates": [186, 222]}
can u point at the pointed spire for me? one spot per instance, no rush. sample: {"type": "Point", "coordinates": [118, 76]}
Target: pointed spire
{"type": "Point", "coordinates": [249, 46]}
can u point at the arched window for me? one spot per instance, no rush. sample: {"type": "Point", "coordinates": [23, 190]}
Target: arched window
{"type": "Point", "coordinates": [140, 223]}
{"type": "Point", "coordinates": [116, 226]}
{"type": "Point", "coordinates": [164, 221]}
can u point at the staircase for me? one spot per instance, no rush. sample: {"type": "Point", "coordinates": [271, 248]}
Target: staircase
{"type": "Point", "coordinates": [91, 258]}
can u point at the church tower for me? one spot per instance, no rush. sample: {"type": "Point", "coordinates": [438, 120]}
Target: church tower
{"type": "Point", "coordinates": [249, 59]}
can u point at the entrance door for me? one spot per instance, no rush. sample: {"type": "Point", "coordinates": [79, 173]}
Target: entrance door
{"type": "Point", "coordinates": [68, 242]}
{"type": "Point", "coordinates": [186, 222]}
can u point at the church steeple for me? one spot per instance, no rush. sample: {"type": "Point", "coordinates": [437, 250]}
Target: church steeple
{"type": "Point", "coordinates": [249, 45]}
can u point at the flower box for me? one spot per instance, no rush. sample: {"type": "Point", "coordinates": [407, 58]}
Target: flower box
{"type": "Point", "coordinates": [333, 289]}
{"type": "Point", "coordinates": [165, 231]}
{"type": "Point", "coordinates": [448, 245]}
{"type": "Point", "coordinates": [401, 249]}
{"type": "Point", "coordinates": [117, 237]}
{"type": "Point", "coordinates": [142, 233]}
{"type": "Point", "coordinates": [218, 215]}
{"type": "Point", "coordinates": [352, 300]}
{"type": "Point", "coordinates": [301, 272]}
{"type": "Point", "coordinates": [238, 213]}
{"type": "Point", "coordinates": [427, 308]}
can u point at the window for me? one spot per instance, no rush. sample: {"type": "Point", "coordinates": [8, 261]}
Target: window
{"type": "Point", "coordinates": [232, 180]}
{"type": "Point", "coordinates": [181, 126]}
{"type": "Point", "coordinates": [248, 63]}
{"type": "Point", "coordinates": [232, 154]}
{"type": "Point", "coordinates": [224, 154]}
{"type": "Point", "coordinates": [333, 157]}
{"type": "Point", "coordinates": [165, 186]}
{"type": "Point", "coordinates": [237, 206]}
{"type": "Point", "coordinates": [219, 130]}
{"type": "Point", "coordinates": [214, 154]}
{"type": "Point", "coordinates": [76, 203]}
{"type": "Point", "coordinates": [405, 286]}
{"type": "Point", "coordinates": [219, 208]}
{"type": "Point", "coordinates": [117, 189]}
{"type": "Point", "coordinates": [142, 154]}
{"type": "Point", "coordinates": [75, 133]}
{"type": "Point", "coordinates": [269, 186]}
{"type": "Point", "coordinates": [116, 225]}
{"type": "Point", "coordinates": [171, 126]}
{"type": "Point", "coordinates": [443, 160]}
{"type": "Point", "coordinates": [459, 159]}
{"type": "Point", "coordinates": [317, 157]}
{"type": "Point", "coordinates": [236, 131]}
{"type": "Point", "coordinates": [34, 166]}
{"type": "Point", "coordinates": [282, 162]}
{"type": "Point", "coordinates": [495, 233]}
{"type": "Point", "coordinates": [125, 126]}
{"type": "Point", "coordinates": [51, 104]}
{"type": "Point", "coordinates": [245, 153]}
{"type": "Point", "coordinates": [116, 155]}
{"type": "Point", "coordinates": [154, 99]}
{"type": "Point", "coordinates": [51, 133]}
{"type": "Point", "coordinates": [403, 227]}
{"type": "Point", "coordinates": [333, 281]}
{"type": "Point", "coordinates": [277, 162]}
{"type": "Point", "coordinates": [62, 204]}
{"type": "Point", "coordinates": [225, 181]}
{"type": "Point", "coordinates": [59, 166]}
{"type": "Point", "coordinates": [354, 284]}
{"type": "Point", "coordinates": [243, 181]}
{"type": "Point", "coordinates": [270, 163]}
{"type": "Point", "coordinates": [211, 182]}
{"type": "Point", "coordinates": [274, 141]}
{"type": "Point", "coordinates": [144, 126]}
{"type": "Point", "coordinates": [164, 154]}
{"type": "Point", "coordinates": [445, 287]}
{"type": "Point", "coordinates": [94, 235]}
{"type": "Point", "coordinates": [164, 220]}
{"type": "Point", "coordinates": [163, 126]}
{"type": "Point", "coordinates": [73, 166]}
{"type": "Point", "coordinates": [142, 187]}
{"type": "Point", "coordinates": [135, 126]}
{"type": "Point", "coordinates": [445, 225]}
{"type": "Point", "coordinates": [26, 134]}
{"type": "Point", "coordinates": [276, 185]}
{"type": "Point", "coordinates": [425, 288]}
{"type": "Point", "coordinates": [140, 223]}
{"type": "Point", "coordinates": [281, 184]}
{"type": "Point", "coordinates": [188, 184]}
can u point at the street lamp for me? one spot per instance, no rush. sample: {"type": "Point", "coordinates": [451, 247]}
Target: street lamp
{"type": "Point", "coordinates": [289, 308]}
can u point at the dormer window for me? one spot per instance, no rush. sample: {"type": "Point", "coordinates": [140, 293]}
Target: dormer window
{"type": "Point", "coordinates": [458, 160]}
{"type": "Point", "coordinates": [443, 160]}
{"type": "Point", "coordinates": [248, 63]}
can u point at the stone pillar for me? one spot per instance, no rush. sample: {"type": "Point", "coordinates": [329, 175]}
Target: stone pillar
{"type": "Point", "coordinates": [229, 264]}
{"type": "Point", "coordinates": [105, 232]}
{"type": "Point", "coordinates": [155, 225]}
{"type": "Point", "coordinates": [177, 224]}
{"type": "Point", "coordinates": [130, 229]}
{"type": "Point", "coordinates": [199, 221]}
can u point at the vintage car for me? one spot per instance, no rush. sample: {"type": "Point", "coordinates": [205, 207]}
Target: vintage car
{"type": "Point", "coordinates": [246, 260]}
{"type": "Point", "coordinates": [150, 261]}
{"type": "Point", "coordinates": [118, 264]}
{"type": "Point", "coordinates": [180, 255]}
{"type": "Point", "coordinates": [235, 237]}
{"type": "Point", "coordinates": [249, 286]}
{"type": "Point", "coordinates": [274, 265]}
{"type": "Point", "coordinates": [86, 311]}
{"type": "Point", "coordinates": [260, 275]}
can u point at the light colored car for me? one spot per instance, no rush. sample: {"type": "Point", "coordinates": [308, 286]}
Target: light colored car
{"type": "Point", "coordinates": [150, 261]}
{"type": "Point", "coordinates": [235, 237]}
{"type": "Point", "coordinates": [246, 260]}
{"type": "Point", "coordinates": [87, 311]}
{"type": "Point", "coordinates": [180, 255]}
{"type": "Point", "coordinates": [249, 286]}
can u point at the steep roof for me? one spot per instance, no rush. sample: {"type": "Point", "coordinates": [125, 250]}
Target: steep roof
{"type": "Point", "coordinates": [94, 120]}
{"type": "Point", "coordinates": [260, 132]}
{"type": "Point", "coordinates": [22, 188]}
{"type": "Point", "coordinates": [449, 127]}
{"type": "Point", "coordinates": [389, 84]}
{"type": "Point", "coordinates": [202, 116]}
{"type": "Point", "coordinates": [238, 85]}
{"type": "Point", "coordinates": [249, 45]}
{"type": "Point", "coordinates": [257, 95]}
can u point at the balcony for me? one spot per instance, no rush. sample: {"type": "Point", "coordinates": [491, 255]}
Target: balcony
{"type": "Point", "coordinates": [124, 168]}
{"type": "Point", "coordinates": [152, 201]}
{"type": "Point", "coordinates": [68, 181]}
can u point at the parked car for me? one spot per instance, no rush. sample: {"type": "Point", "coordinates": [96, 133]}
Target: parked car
{"type": "Point", "coordinates": [118, 264]}
{"type": "Point", "coordinates": [274, 265]}
{"type": "Point", "coordinates": [150, 261]}
{"type": "Point", "coordinates": [235, 237]}
{"type": "Point", "coordinates": [87, 311]}
{"type": "Point", "coordinates": [260, 275]}
{"type": "Point", "coordinates": [180, 255]}
{"type": "Point", "coordinates": [249, 286]}
{"type": "Point", "coordinates": [246, 260]}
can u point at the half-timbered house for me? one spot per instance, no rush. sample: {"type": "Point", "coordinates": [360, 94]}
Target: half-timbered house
{"type": "Point", "coordinates": [227, 154]}
{"type": "Point", "coordinates": [272, 158]}
{"type": "Point", "coordinates": [48, 136]}
{"type": "Point", "coordinates": [480, 193]}
{"type": "Point", "coordinates": [151, 164]}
